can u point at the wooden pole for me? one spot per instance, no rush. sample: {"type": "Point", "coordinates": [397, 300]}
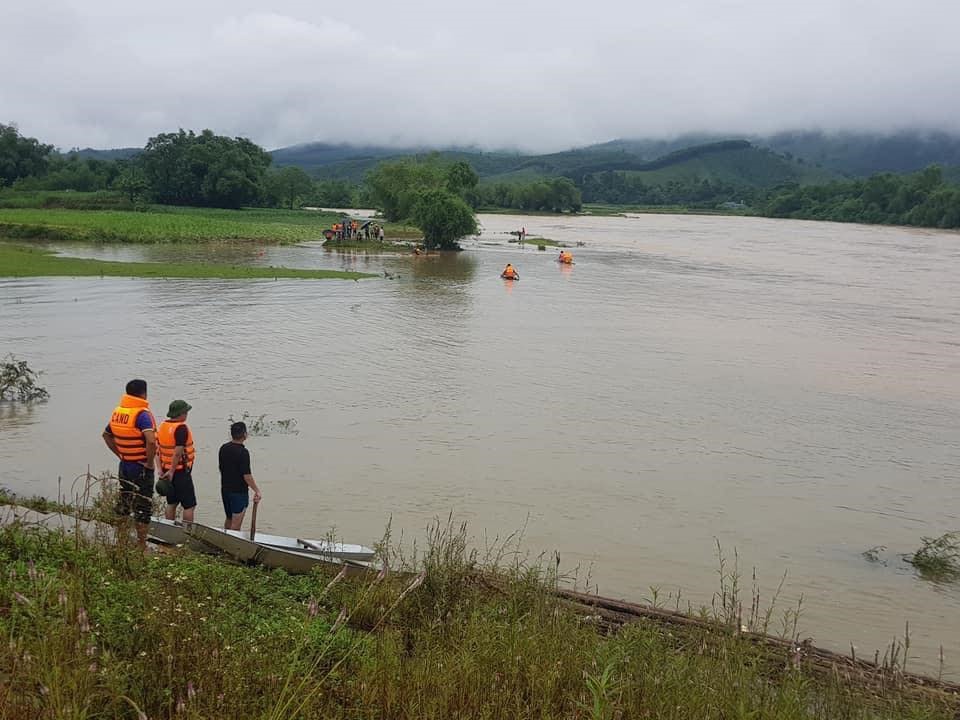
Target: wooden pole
{"type": "Point", "coordinates": [253, 521]}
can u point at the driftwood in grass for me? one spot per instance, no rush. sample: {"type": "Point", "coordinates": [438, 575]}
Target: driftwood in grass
{"type": "Point", "coordinates": [614, 614]}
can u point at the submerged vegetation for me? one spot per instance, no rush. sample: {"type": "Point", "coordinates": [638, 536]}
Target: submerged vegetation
{"type": "Point", "coordinates": [258, 425]}
{"type": "Point", "coordinates": [20, 261]}
{"type": "Point", "coordinates": [938, 558]}
{"type": "Point", "coordinates": [93, 629]}
{"type": "Point", "coordinates": [18, 381]}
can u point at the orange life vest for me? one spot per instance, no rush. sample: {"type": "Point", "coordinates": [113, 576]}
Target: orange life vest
{"type": "Point", "coordinates": [566, 257]}
{"type": "Point", "coordinates": [123, 424]}
{"type": "Point", "coordinates": [509, 272]}
{"type": "Point", "coordinates": [166, 444]}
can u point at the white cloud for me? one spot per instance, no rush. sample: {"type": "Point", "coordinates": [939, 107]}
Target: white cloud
{"type": "Point", "coordinates": [527, 73]}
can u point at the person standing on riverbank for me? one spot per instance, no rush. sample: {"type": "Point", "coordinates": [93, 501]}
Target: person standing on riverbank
{"type": "Point", "coordinates": [236, 478]}
{"type": "Point", "coordinates": [131, 436]}
{"type": "Point", "coordinates": [176, 452]}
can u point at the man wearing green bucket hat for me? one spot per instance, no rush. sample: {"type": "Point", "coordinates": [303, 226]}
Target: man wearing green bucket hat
{"type": "Point", "coordinates": [176, 453]}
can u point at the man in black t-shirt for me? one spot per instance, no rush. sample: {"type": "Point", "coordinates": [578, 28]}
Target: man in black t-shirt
{"type": "Point", "coordinates": [236, 479]}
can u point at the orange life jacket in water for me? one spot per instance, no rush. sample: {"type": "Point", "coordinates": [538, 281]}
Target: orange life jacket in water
{"type": "Point", "coordinates": [166, 444]}
{"type": "Point", "coordinates": [123, 425]}
{"type": "Point", "coordinates": [509, 272]}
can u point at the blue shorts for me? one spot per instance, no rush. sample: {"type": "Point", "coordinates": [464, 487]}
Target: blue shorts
{"type": "Point", "coordinates": [234, 503]}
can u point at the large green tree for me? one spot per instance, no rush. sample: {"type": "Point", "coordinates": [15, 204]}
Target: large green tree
{"type": "Point", "coordinates": [395, 186]}
{"type": "Point", "coordinates": [21, 156]}
{"type": "Point", "coordinates": [444, 218]}
{"type": "Point", "coordinates": [428, 192]}
{"type": "Point", "coordinates": [184, 168]}
{"type": "Point", "coordinates": [288, 185]}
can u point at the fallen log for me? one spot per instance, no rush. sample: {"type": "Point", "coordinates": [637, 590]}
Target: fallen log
{"type": "Point", "coordinates": [614, 614]}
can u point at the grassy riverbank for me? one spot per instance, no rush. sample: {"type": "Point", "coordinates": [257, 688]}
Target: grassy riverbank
{"type": "Point", "coordinates": [22, 261]}
{"type": "Point", "coordinates": [92, 630]}
{"type": "Point", "coordinates": [167, 225]}
{"type": "Point", "coordinates": [108, 217]}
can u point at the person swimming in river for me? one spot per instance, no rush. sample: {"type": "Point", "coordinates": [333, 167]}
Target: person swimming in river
{"type": "Point", "coordinates": [510, 273]}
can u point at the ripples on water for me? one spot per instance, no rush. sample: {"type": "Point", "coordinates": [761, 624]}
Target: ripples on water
{"type": "Point", "coordinates": [787, 388]}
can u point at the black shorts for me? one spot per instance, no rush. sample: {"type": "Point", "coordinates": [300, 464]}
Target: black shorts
{"type": "Point", "coordinates": [183, 492]}
{"type": "Point", "coordinates": [136, 495]}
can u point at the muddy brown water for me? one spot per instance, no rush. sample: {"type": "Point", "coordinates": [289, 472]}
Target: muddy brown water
{"type": "Point", "coordinates": [789, 389]}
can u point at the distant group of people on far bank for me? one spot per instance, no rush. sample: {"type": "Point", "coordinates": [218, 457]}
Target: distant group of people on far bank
{"type": "Point", "coordinates": [349, 229]}
{"type": "Point", "coordinates": [167, 452]}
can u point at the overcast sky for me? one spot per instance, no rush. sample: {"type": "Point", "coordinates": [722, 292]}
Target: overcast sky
{"type": "Point", "coordinates": [531, 74]}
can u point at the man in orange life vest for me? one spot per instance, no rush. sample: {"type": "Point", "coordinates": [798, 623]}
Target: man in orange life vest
{"type": "Point", "coordinates": [131, 436]}
{"type": "Point", "coordinates": [176, 453]}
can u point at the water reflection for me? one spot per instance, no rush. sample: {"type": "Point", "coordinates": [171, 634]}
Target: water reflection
{"type": "Point", "coordinates": [441, 280]}
{"type": "Point", "coordinates": [16, 414]}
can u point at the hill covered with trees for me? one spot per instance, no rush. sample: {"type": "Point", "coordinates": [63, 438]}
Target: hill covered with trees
{"type": "Point", "coordinates": [209, 170]}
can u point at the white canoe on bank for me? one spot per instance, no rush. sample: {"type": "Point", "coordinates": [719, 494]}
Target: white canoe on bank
{"type": "Point", "coordinates": [172, 532]}
{"type": "Point", "coordinates": [293, 561]}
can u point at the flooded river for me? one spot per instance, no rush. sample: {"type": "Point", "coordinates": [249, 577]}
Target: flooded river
{"type": "Point", "coordinates": [789, 389]}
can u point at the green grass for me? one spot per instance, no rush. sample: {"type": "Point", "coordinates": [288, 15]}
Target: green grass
{"type": "Point", "coordinates": [109, 217]}
{"type": "Point", "coordinates": [166, 225]}
{"type": "Point", "coordinates": [20, 261]}
{"type": "Point", "coordinates": [101, 200]}
{"type": "Point", "coordinates": [97, 631]}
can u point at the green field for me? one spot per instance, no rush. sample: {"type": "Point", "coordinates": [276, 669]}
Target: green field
{"type": "Point", "coordinates": [167, 225]}
{"type": "Point", "coordinates": [20, 261]}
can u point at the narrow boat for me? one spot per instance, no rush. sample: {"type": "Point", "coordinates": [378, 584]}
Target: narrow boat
{"type": "Point", "coordinates": [344, 551]}
{"type": "Point", "coordinates": [295, 562]}
{"type": "Point", "coordinates": [171, 532]}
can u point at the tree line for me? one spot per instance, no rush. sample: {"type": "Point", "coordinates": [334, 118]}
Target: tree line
{"type": "Point", "coordinates": [182, 168]}
{"type": "Point", "coordinates": [209, 170]}
{"type": "Point", "coordinates": [922, 199]}
{"type": "Point", "coordinates": [620, 188]}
